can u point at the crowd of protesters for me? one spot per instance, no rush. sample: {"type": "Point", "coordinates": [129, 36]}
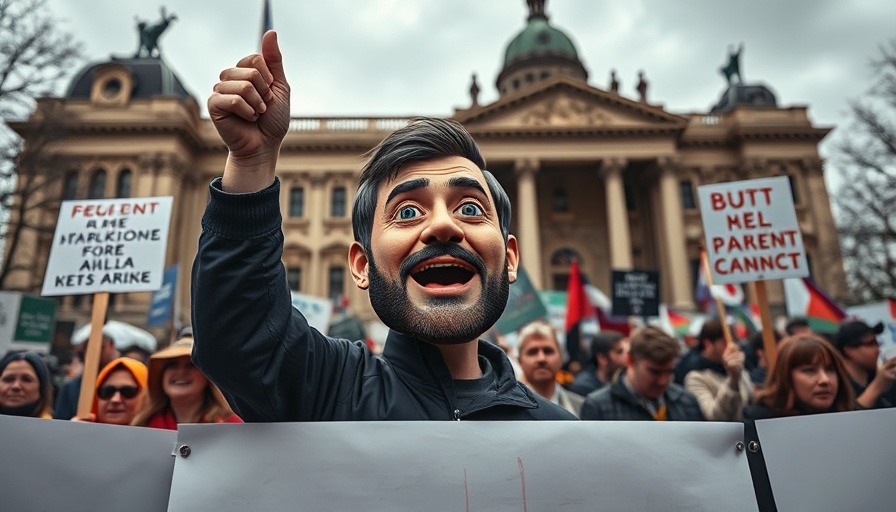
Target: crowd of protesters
{"type": "Point", "coordinates": [158, 390]}
{"type": "Point", "coordinates": [648, 375]}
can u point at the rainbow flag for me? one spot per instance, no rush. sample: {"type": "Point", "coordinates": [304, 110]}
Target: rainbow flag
{"type": "Point", "coordinates": [805, 299]}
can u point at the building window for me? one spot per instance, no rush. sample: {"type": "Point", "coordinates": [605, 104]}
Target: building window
{"type": "Point", "coordinates": [793, 192]}
{"type": "Point", "coordinates": [629, 198]}
{"type": "Point", "coordinates": [337, 205]}
{"type": "Point", "coordinates": [564, 257]}
{"type": "Point", "coordinates": [296, 202]}
{"type": "Point", "coordinates": [70, 186]}
{"type": "Point", "coordinates": [561, 201]}
{"type": "Point", "coordinates": [294, 279]}
{"type": "Point", "coordinates": [97, 189]}
{"type": "Point", "coordinates": [687, 195]}
{"type": "Point", "coordinates": [124, 184]}
{"type": "Point", "coordinates": [336, 283]}
{"type": "Point", "coordinates": [695, 275]}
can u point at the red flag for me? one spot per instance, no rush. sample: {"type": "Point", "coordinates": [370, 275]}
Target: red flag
{"type": "Point", "coordinates": [578, 307]}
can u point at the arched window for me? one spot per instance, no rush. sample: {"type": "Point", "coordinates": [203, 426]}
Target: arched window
{"type": "Point", "coordinates": [124, 184]}
{"type": "Point", "coordinates": [97, 189]}
{"type": "Point", "coordinates": [70, 186]}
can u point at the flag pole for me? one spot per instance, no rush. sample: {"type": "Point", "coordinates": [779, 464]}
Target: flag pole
{"type": "Point", "coordinates": [768, 335]}
{"type": "Point", "coordinates": [720, 306]}
{"type": "Point", "coordinates": [92, 354]}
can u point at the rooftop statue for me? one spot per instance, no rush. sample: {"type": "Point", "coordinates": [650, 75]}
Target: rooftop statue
{"type": "Point", "coordinates": [732, 69]}
{"type": "Point", "coordinates": [149, 35]}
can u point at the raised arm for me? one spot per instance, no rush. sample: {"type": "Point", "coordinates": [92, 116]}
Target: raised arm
{"type": "Point", "coordinates": [250, 110]}
{"type": "Point", "coordinates": [249, 340]}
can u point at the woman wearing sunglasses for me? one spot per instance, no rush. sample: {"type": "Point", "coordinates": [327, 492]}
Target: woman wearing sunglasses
{"type": "Point", "coordinates": [178, 392]}
{"type": "Point", "coordinates": [120, 387]}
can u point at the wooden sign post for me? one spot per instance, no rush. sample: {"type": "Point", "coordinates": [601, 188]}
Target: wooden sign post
{"type": "Point", "coordinates": [106, 246]}
{"type": "Point", "coordinates": [752, 235]}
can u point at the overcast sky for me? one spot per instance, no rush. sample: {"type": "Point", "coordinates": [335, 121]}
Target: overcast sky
{"type": "Point", "coordinates": [402, 57]}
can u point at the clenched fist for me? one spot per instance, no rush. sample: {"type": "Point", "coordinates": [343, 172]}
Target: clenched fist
{"type": "Point", "coordinates": [250, 109]}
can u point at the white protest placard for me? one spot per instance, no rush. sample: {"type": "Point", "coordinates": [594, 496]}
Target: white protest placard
{"type": "Point", "coordinates": [838, 461]}
{"type": "Point", "coordinates": [109, 245]}
{"type": "Point", "coordinates": [442, 466]}
{"type": "Point", "coordinates": [752, 233]}
{"type": "Point", "coordinates": [317, 311]}
{"type": "Point", "coordinates": [84, 467]}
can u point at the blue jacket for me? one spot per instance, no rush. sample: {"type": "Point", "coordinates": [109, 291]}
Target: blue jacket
{"type": "Point", "coordinates": [272, 366]}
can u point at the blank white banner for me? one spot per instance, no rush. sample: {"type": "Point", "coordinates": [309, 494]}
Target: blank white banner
{"type": "Point", "coordinates": [472, 466]}
{"type": "Point", "coordinates": [841, 461]}
{"type": "Point", "coordinates": [50, 465]}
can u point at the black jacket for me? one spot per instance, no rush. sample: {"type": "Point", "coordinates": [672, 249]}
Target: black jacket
{"type": "Point", "coordinates": [272, 366]}
{"type": "Point", "coordinates": [617, 403]}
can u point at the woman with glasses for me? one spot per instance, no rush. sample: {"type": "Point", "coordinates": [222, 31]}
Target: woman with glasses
{"type": "Point", "coordinates": [25, 387]}
{"type": "Point", "coordinates": [120, 387]}
{"type": "Point", "coordinates": [178, 392]}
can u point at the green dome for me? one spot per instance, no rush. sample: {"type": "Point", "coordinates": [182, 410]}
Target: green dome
{"type": "Point", "coordinates": [539, 39]}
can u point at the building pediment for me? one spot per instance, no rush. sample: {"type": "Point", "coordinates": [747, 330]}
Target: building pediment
{"type": "Point", "coordinates": [567, 105]}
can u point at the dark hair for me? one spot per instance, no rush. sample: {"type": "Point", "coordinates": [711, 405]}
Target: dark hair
{"type": "Point", "coordinates": [795, 323]}
{"type": "Point", "coordinates": [712, 330]}
{"type": "Point", "coordinates": [795, 351]}
{"type": "Point", "coordinates": [424, 138]}
{"type": "Point", "coordinates": [604, 342]}
{"type": "Point", "coordinates": [653, 344]}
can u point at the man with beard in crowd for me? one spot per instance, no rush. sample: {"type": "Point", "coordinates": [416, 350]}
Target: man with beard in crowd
{"type": "Point", "coordinates": [432, 246]}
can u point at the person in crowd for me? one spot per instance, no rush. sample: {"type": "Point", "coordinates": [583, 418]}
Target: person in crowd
{"type": "Point", "coordinates": [178, 392]}
{"type": "Point", "coordinates": [609, 349]}
{"type": "Point", "coordinates": [719, 381]}
{"type": "Point", "coordinates": [644, 391]}
{"type": "Point", "coordinates": [136, 352]}
{"type": "Point", "coordinates": [540, 360]}
{"type": "Point", "coordinates": [809, 378]}
{"type": "Point", "coordinates": [120, 391]}
{"type": "Point", "coordinates": [432, 247]}
{"type": "Point", "coordinates": [797, 325]}
{"type": "Point", "coordinates": [67, 399]}
{"type": "Point", "coordinates": [857, 342]}
{"type": "Point", "coordinates": [25, 387]}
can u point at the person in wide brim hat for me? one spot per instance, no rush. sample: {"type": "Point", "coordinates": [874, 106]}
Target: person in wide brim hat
{"type": "Point", "coordinates": [178, 392]}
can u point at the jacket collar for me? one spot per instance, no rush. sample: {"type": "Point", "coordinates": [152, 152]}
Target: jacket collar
{"type": "Point", "coordinates": [423, 362]}
{"type": "Point", "coordinates": [619, 389]}
{"type": "Point", "coordinates": [705, 364]}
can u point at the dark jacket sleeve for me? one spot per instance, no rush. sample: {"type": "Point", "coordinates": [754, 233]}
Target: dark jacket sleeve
{"type": "Point", "coordinates": [249, 340]}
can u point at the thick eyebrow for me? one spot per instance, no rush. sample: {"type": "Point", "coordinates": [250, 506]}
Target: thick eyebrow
{"type": "Point", "coordinates": [467, 182]}
{"type": "Point", "coordinates": [407, 186]}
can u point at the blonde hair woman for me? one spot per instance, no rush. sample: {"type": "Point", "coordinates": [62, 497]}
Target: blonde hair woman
{"type": "Point", "coordinates": [178, 392]}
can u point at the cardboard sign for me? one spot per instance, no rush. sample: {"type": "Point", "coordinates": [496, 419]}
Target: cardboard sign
{"type": "Point", "coordinates": [26, 322]}
{"type": "Point", "coordinates": [752, 233]}
{"type": "Point", "coordinates": [523, 305]}
{"type": "Point", "coordinates": [636, 293]}
{"type": "Point", "coordinates": [446, 466]}
{"type": "Point", "coordinates": [84, 467]}
{"type": "Point", "coordinates": [108, 245]}
{"type": "Point", "coordinates": [163, 299]}
{"type": "Point", "coordinates": [811, 470]}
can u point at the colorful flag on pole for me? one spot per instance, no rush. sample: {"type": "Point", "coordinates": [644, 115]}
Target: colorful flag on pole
{"type": "Point", "coordinates": [578, 311]}
{"type": "Point", "coordinates": [807, 300]}
{"type": "Point", "coordinates": [675, 323]}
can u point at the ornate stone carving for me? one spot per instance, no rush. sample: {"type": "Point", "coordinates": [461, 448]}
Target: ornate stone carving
{"type": "Point", "coordinates": [611, 166]}
{"type": "Point", "coordinates": [526, 167]}
{"type": "Point", "coordinates": [813, 166]}
{"type": "Point", "coordinates": [565, 110]}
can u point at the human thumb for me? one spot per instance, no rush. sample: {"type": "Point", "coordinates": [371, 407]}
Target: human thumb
{"type": "Point", "coordinates": [270, 50]}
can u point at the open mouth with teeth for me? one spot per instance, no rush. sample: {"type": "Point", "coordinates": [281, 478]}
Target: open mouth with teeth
{"type": "Point", "coordinates": [437, 275]}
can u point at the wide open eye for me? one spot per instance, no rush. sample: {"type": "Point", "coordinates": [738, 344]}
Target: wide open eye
{"type": "Point", "coordinates": [408, 212]}
{"type": "Point", "coordinates": [471, 210]}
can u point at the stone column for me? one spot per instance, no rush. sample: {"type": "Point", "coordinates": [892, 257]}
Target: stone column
{"type": "Point", "coordinates": [673, 235]}
{"type": "Point", "coordinates": [619, 234]}
{"type": "Point", "coordinates": [827, 258]}
{"type": "Point", "coordinates": [528, 238]}
{"type": "Point", "coordinates": [317, 209]}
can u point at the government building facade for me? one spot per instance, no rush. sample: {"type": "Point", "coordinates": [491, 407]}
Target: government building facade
{"type": "Point", "coordinates": [592, 174]}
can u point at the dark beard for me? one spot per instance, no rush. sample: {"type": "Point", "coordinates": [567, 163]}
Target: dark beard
{"type": "Point", "coordinates": [444, 321]}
